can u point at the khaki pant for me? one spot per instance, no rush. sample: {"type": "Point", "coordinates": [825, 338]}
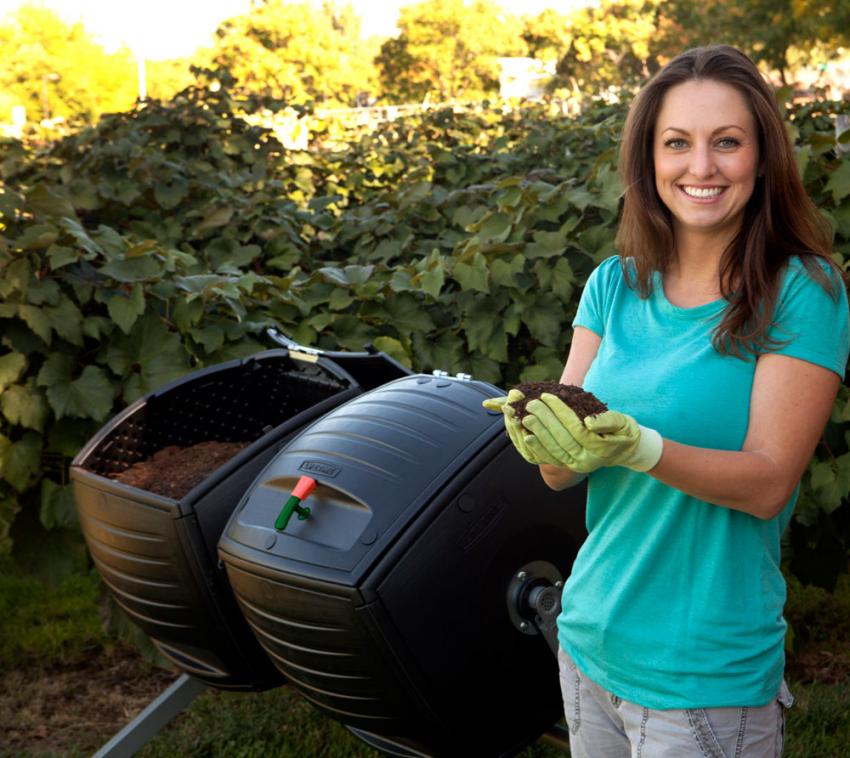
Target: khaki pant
{"type": "Point", "coordinates": [605, 726]}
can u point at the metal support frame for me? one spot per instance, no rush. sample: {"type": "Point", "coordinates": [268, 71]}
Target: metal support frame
{"type": "Point", "coordinates": [155, 717]}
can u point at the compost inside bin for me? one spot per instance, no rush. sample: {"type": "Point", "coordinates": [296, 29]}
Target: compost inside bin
{"type": "Point", "coordinates": [175, 470]}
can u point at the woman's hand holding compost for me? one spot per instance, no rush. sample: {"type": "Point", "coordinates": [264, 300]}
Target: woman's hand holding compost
{"type": "Point", "coordinates": [519, 436]}
{"type": "Point", "coordinates": [607, 439]}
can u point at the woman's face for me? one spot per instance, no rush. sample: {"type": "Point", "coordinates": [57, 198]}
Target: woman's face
{"type": "Point", "coordinates": [705, 152]}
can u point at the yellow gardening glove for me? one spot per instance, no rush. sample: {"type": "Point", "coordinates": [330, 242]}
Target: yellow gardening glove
{"type": "Point", "coordinates": [519, 436]}
{"type": "Point", "coordinates": [608, 439]}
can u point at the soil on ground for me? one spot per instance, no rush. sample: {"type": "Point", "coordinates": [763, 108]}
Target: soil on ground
{"type": "Point", "coordinates": [75, 709]}
{"type": "Point", "coordinates": [583, 403]}
{"type": "Point", "coordinates": [78, 707]}
{"type": "Point", "coordinates": [174, 470]}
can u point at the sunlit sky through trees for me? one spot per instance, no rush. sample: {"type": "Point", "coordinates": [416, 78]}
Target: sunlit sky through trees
{"type": "Point", "coordinates": [159, 29]}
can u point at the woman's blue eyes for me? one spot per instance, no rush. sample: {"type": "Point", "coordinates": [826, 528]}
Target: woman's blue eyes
{"type": "Point", "coordinates": [677, 143]}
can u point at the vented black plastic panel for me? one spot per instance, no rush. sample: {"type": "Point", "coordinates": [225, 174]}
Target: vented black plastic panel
{"type": "Point", "coordinates": [158, 554]}
{"type": "Point", "coordinates": [388, 607]}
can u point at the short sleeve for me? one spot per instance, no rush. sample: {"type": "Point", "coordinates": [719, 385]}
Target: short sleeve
{"type": "Point", "coordinates": [594, 304]}
{"type": "Point", "coordinates": [811, 323]}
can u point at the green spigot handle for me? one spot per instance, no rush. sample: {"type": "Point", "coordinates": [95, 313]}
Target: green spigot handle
{"type": "Point", "coordinates": [300, 492]}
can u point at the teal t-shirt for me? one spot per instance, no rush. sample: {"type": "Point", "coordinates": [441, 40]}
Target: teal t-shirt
{"type": "Point", "coordinates": [673, 602]}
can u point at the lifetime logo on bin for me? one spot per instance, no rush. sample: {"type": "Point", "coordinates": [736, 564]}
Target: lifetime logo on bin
{"type": "Point", "coordinates": [317, 467]}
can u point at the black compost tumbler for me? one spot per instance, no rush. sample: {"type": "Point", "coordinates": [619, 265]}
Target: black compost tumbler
{"type": "Point", "coordinates": [375, 558]}
{"type": "Point", "coordinates": [157, 554]}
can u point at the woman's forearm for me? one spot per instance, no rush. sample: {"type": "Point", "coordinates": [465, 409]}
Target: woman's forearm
{"type": "Point", "coordinates": [559, 478]}
{"type": "Point", "coordinates": [745, 481]}
{"type": "Point", "coordinates": [748, 481]}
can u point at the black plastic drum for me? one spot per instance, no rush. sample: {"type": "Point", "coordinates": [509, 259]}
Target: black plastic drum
{"type": "Point", "coordinates": [387, 606]}
{"type": "Point", "coordinates": [158, 554]}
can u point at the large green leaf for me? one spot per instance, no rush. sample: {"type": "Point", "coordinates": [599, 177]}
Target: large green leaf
{"type": "Point", "coordinates": [81, 237]}
{"type": "Point", "coordinates": [170, 195]}
{"type": "Point", "coordinates": [87, 396]}
{"type": "Point", "coordinates": [393, 348]}
{"type": "Point", "coordinates": [504, 272]}
{"type": "Point", "coordinates": [444, 352]}
{"type": "Point", "coordinates": [473, 276]}
{"type": "Point", "coordinates": [348, 275]}
{"type": "Point", "coordinates": [43, 292]}
{"type": "Point", "coordinates": [49, 201]}
{"type": "Point", "coordinates": [67, 436]}
{"type": "Point", "coordinates": [495, 227]}
{"type": "Point", "coordinates": [57, 509]}
{"type": "Point", "coordinates": [407, 314]}
{"type": "Point", "coordinates": [597, 242]}
{"type": "Point", "coordinates": [20, 462]}
{"type": "Point", "coordinates": [148, 358]}
{"type": "Point", "coordinates": [223, 252]}
{"type": "Point", "coordinates": [215, 219]}
{"type": "Point", "coordinates": [350, 333]}
{"type": "Point", "coordinates": [25, 405]}
{"type": "Point", "coordinates": [125, 307]}
{"type": "Point", "coordinates": [839, 181]}
{"type": "Point", "coordinates": [557, 277]}
{"type": "Point", "coordinates": [16, 277]}
{"type": "Point", "coordinates": [134, 269]}
{"type": "Point", "coordinates": [432, 274]}
{"type": "Point", "coordinates": [544, 316]}
{"type": "Point", "coordinates": [546, 364]}
{"type": "Point", "coordinates": [36, 319]}
{"type": "Point", "coordinates": [12, 366]}
{"type": "Point", "coordinates": [37, 237]}
{"type": "Point", "coordinates": [83, 195]}
{"type": "Point", "coordinates": [609, 188]}
{"type": "Point", "coordinates": [60, 256]}
{"type": "Point", "coordinates": [10, 202]}
{"type": "Point", "coordinates": [478, 324]}
{"type": "Point", "coordinates": [211, 336]}
{"type": "Point", "coordinates": [187, 313]}
{"type": "Point", "coordinates": [66, 320]}
{"type": "Point", "coordinates": [831, 481]}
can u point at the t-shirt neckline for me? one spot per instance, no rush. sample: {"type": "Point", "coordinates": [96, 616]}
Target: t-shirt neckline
{"type": "Point", "coordinates": [697, 311]}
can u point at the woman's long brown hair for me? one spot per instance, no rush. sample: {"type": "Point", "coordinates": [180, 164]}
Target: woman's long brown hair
{"type": "Point", "coordinates": [780, 220]}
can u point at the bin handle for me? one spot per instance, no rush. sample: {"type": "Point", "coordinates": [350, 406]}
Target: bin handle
{"type": "Point", "coordinates": [300, 492]}
{"type": "Point", "coordinates": [289, 343]}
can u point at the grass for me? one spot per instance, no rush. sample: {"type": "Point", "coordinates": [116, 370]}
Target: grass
{"type": "Point", "coordinates": [44, 624]}
{"type": "Point", "coordinates": [818, 726]}
{"type": "Point", "coordinates": [69, 683]}
{"type": "Point", "coordinates": [276, 723]}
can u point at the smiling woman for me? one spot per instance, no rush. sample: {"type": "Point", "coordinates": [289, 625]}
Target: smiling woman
{"type": "Point", "coordinates": [706, 337]}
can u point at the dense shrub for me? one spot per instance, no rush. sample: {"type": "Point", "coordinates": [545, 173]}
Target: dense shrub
{"type": "Point", "coordinates": [168, 238]}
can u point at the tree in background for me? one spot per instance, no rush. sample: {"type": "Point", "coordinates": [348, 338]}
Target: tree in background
{"type": "Point", "coordinates": [167, 77]}
{"type": "Point", "coordinates": [548, 35]}
{"type": "Point", "coordinates": [55, 69]}
{"type": "Point", "coordinates": [447, 49]}
{"type": "Point", "coordinates": [777, 33]}
{"type": "Point", "coordinates": [596, 47]}
{"type": "Point", "coordinates": [296, 52]}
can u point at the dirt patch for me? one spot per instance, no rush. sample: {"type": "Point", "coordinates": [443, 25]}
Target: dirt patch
{"type": "Point", "coordinates": [76, 708]}
{"type": "Point", "coordinates": [583, 403]}
{"type": "Point", "coordinates": [828, 666]}
{"type": "Point", "coordinates": [73, 710]}
{"type": "Point", "coordinates": [174, 470]}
